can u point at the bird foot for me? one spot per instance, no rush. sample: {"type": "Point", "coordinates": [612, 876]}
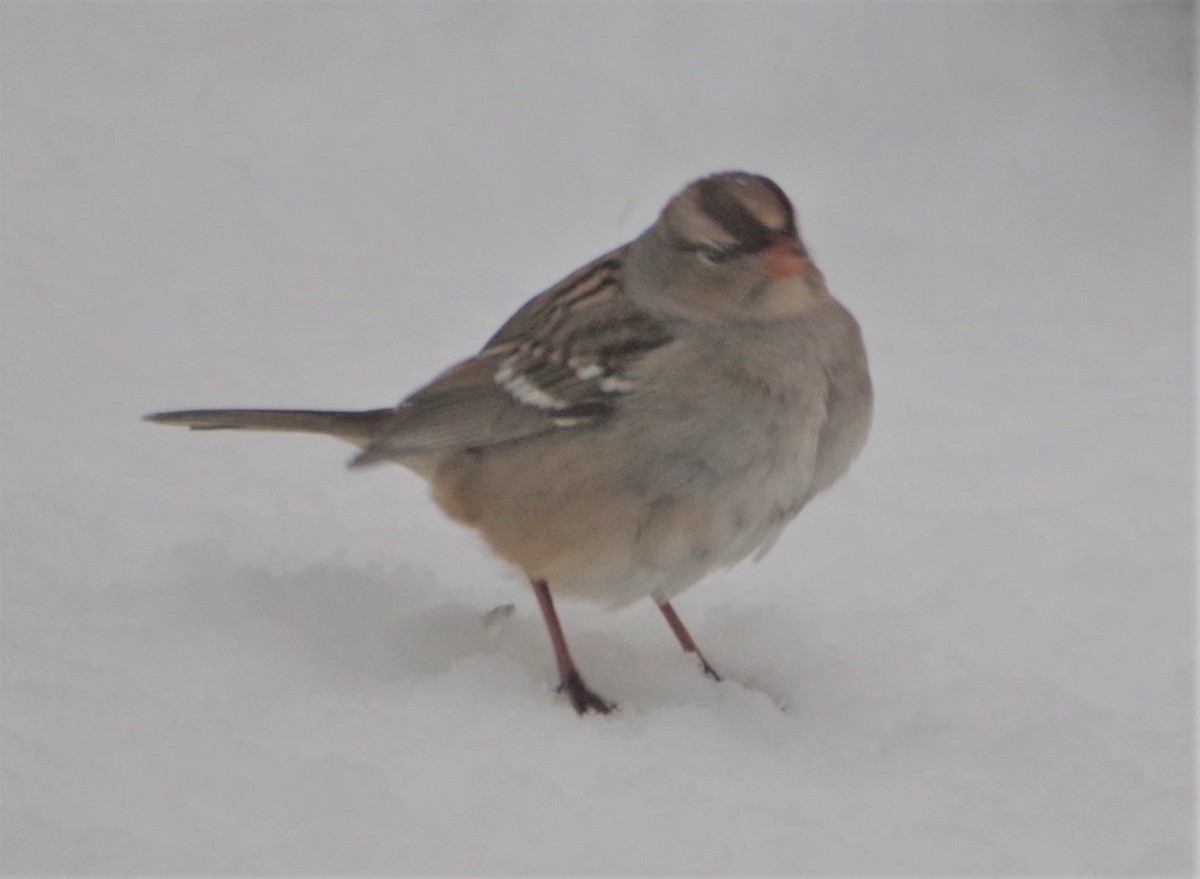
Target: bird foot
{"type": "Point", "coordinates": [583, 700]}
{"type": "Point", "coordinates": [709, 670]}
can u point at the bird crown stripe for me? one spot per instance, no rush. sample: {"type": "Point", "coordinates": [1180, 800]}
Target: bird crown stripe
{"type": "Point", "coordinates": [734, 217]}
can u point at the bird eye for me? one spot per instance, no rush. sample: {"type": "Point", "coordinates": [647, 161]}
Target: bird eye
{"type": "Point", "coordinates": [715, 255]}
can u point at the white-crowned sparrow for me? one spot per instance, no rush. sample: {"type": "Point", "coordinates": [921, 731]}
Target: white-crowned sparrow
{"type": "Point", "coordinates": [663, 411]}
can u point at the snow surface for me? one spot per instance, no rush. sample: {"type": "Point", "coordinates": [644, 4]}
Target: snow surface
{"type": "Point", "coordinates": [226, 654]}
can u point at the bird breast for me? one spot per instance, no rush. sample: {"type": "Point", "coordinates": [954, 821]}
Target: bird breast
{"type": "Point", "coordinates": [691, 475]}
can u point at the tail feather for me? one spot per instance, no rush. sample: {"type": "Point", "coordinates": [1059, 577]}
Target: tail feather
{"type": "Point", "coordinates": [355, 427]}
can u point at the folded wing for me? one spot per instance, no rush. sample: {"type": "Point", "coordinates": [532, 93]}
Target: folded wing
{"type": "Point", "coordinates": [561, 362]}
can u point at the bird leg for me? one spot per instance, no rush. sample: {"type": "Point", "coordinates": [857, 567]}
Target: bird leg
{"type": "Point", "coordinates": [685, 638]}
{"type": "Point", "coordinates": [582, 699]}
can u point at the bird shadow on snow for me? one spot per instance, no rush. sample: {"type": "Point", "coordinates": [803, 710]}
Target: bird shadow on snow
{"type": "Point", "coordinates": [353, 626]}
{"type": "Point", "coordinates": [346, 621]}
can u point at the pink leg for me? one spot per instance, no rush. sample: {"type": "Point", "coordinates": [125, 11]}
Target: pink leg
{"type": "Point", "coordinates": [685, 638]}
{"type": "Point", "coordinates": [582, 699]}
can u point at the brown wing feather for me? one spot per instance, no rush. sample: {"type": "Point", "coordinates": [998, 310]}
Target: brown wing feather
{"type": "Point", "coordinates": [559, 362]}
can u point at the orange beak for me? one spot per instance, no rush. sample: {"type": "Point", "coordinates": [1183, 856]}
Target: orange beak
{"type": "Point", "coordinates": [786, 258]}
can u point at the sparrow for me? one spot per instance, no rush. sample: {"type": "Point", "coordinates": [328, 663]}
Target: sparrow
{"type": "Point", "coordinates": [660, 413]}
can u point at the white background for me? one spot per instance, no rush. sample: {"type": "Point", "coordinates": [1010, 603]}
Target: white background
{"type": "Point", "coordinates": [224, 653]}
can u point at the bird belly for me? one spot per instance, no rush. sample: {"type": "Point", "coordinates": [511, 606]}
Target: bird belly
{"type": "Point", "coordinates": [639, 520]}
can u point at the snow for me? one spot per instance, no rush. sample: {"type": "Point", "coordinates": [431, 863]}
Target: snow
{"type": "Point", "coordinates": [223, 653]}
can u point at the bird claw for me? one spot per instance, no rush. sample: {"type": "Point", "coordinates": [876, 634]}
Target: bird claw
{"type": "Point", "coordinates": [709, 670]}
{"type": "Point", "coordinates": [583, 700]}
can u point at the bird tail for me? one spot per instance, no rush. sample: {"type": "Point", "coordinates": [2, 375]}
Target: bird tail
{"type": "Point", "coordinates": [354, 427]}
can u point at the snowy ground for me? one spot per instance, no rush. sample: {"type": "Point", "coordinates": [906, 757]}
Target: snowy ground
{"type": "Point", "coordinates": [226, 654]}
